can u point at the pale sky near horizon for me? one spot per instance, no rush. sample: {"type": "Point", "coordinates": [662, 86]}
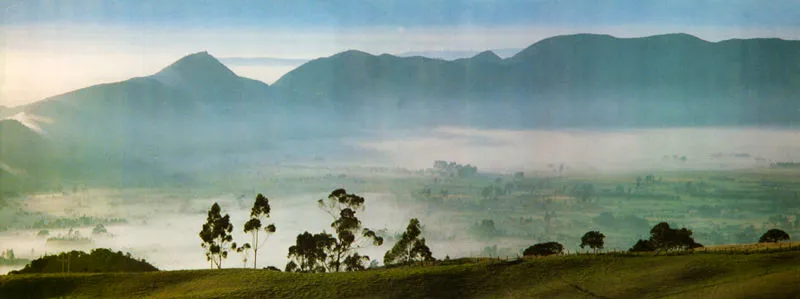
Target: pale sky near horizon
{"type": "Point", "coordinates": [51, 47]}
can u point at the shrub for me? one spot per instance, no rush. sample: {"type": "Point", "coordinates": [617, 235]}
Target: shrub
{"type": "Point", "coordinates": [544, 249]}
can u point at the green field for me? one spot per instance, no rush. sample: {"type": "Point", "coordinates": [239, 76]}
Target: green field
{"type": "Point", "coordinates": [692, 275]}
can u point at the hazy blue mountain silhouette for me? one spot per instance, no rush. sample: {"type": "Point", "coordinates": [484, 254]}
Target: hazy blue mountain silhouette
{"type": "Point", "coordinates": [153, 126]}
{"type": "Point", "coordinates": [574, 80]}
{"type": "Point", "coordinates": [193, 105]}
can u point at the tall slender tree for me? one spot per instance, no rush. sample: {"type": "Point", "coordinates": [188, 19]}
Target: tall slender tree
{"type": "Point", "coordinates": [350, 234]}
{"type": "Point", "coordinates": [216, 236]}
{"type": "Point", "coordinates": [244, 250]}
{"type": "Point", "coordinates": [258, 214]}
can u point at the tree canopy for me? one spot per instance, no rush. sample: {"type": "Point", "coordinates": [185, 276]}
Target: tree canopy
{"type": "Point", "coordinates": [216, 236]}
{"type": "Point", "coordinates": [544, 249]}
{"type": "Point", "coordinates": [774, 236]}
{"type": "Point", "coordinates": [410, 247]}
{"type": "Point", "coordinates": [663, 237]}
{"type": "Point", "coordinates": [310, 252]}
{"type": "Point", "coordinates": [98, 260]}
{"type": "Point", "coordinates": [340, 250]}
{"type": "Point", "coordinates": [593, 239]}
{"type": "Point", "coordinates": [258, 213]}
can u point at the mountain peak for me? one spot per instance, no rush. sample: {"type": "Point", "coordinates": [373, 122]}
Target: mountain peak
{"type": "Point", "coordinates": [353, 54]}
{"type": "Point", "coordinates": [487, 56]}
{"type": "Point", "coordinates": [200, 67]}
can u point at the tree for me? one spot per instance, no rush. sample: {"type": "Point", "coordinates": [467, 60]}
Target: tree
{"type": "Point", "coordinates": [244, 251]}
{"type": "Point", "coordinates": [593, 239]}
{"type": "Point", "coordinates": [310, 252]}
{"type": "Point", "coordinates": [663, 237]}
{"type": "Point", "coordinates": [421, 251]}
{"type": "Point", "coordinates": [544, 249]}
{"type": "Point", "coordinates": [258, 214]}
{"type": "Point", "coordinates": [774, 236]}
{"type": "Point", "coordinates": [642, 246]}
{"type": "Point", "coordinates": [410, 247]}
{"type": "Point", "coordinates": [216, 236]}
{"type": "Point", "coordinates": [350, 235]}
{"type": "Point", "coordinates": [99, 230]}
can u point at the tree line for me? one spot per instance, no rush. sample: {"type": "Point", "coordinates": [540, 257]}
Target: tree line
{"type": "Point", "coordinates": [337, 251]}
{"type": "Point", "coordinates": [662, 238]}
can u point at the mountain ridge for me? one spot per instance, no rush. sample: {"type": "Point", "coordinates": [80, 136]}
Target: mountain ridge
{"type": "Point", "coordinates": [198, 105]}
{"type": "Point", "coordinates": [752, 80]}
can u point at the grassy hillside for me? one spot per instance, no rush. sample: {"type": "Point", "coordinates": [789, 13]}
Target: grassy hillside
{"type": "Point", "coordinates": [698, 275]}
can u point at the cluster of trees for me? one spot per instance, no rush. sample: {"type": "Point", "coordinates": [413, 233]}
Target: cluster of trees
{"type": "Point", "coordinates": [455, 169]}
{"type": "Point", "coordinates": [785, 164]}
{"type": "Point", "coordinates": [544, 249]}
{"type": "Point", "coordinates": [662, 238]}
{"type": "Point", "coordinates": [337, 251]}
{"type": "Point", "coordinates": [496, 190]}
{"type": "Point", "coordinates": [594, 240]}
{"type": "Point", "coordinates": [217, 233]}
{"type": "Point", "coordinates": [324, 252]}
{"type": "Point", "coordinates": [98, 260]}
{"type": "Point", "coordinates": [485, 229]}
{"type": "Point", "coordinates": [8, 258]}
{"type": "Point", "coordinates": [82, 221]}
{"type": "Point", "coordinates": [8, 254]}
{"type": "Point", "coordinates": [99, 230]}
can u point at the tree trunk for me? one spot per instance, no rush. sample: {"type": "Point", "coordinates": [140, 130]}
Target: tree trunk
{"type": "Point", "coordinates": [255, 251]}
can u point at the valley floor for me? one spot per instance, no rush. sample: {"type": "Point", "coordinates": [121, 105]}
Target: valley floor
{"type": "Point", "coordinates": [714, 274]}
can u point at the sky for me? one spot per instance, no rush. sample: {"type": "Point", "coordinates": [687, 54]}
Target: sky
{"type": "Point", "coordinates": [48, 47]}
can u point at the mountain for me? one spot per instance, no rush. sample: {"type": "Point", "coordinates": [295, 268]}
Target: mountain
{"type": "Point", "coordinates": [197, 84]}
{"type": "Point", "coordinates": [25, 157]}
{"type": "Point", "coordinates": [569, 81]}
{"type": "Point", "coordinates": [196, 114]}
{"type": "Point", "coordinates": [178, 102]}
{"type": "Point", "coordinates": [124, 131]}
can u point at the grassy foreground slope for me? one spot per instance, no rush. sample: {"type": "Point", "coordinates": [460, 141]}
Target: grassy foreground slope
{"type": "Point", "coordinates": [699, 275]}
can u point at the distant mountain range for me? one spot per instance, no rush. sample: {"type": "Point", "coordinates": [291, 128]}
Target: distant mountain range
{"type": "Point", "coordinates": [199, 105]}
{"type": "Point", "coordinates": [580, 80]}
{"type": "Point", "coordinates": [453, 54]}
{"type": "Point", "coordinates": [262, 61]}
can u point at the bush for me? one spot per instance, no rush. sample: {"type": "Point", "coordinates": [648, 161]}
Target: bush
{"type": "Point", "coordinates": [544, 249]}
